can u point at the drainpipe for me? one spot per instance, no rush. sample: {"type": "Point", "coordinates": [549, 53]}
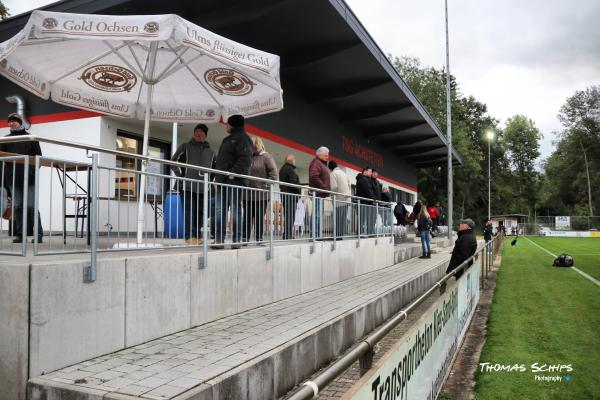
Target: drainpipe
{"type": "Point", "coordinates": [20, 102]}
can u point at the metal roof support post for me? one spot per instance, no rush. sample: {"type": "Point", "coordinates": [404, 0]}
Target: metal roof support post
{"type": "Point", "coordinates": [449, 126]}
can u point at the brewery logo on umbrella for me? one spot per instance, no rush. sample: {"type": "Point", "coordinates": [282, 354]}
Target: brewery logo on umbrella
{"type": "Point", "coordinates": [228, 81]}
{"type": "Point", "coordinates": [109, 78]}
{"type": "Point", "coordinates": [151, 27]}
{"type": "Point", "coordinates": [49, 23]}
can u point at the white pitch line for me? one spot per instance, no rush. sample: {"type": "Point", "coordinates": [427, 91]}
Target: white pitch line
{"type": "Point", "coordinates": [591, 279]}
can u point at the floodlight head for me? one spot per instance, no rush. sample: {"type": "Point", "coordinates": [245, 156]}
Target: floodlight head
{"type": "Point", "coordinates": [489, 135]}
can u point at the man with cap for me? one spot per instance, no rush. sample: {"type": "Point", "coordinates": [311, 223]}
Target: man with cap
{"type": "Point", "coordinates": [195, 152]}
{"type": "Point", "coordinates": [30, 148]}
{"type": "Point", "coordinates": [234, 156]}
{"type": "Point", "coordinates": [464, 247]}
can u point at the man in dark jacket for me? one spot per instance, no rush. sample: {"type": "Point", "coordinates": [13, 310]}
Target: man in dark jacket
{"type": "Point", "coordinates": [30, 148]}
{"type": "Point", "coordinates": [377, 186]}
{"type": "Point", "coordinates": [235, 156]}
{"type": "Point", "coordinates": [364, 188]}
{"type": "Point", "coordinates": [195, 152]}
{"type": "Point", "coordinates": [289, 194]}
{"type": "Point", "coordinates": [464, 247]}
{"type": "Point", "coordinates": [488, 234]}
{"type": "Point", "coordinates": [319, 178]}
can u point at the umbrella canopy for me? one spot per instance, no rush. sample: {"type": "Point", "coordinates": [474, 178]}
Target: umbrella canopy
{"type": "Point", "coordinates": [151, 67]}
{"type": "Point", "coordinates": [107, 63]}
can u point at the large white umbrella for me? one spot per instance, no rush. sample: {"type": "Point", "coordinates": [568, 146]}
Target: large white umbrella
{"type": "Point", "coordinates": [150, 67]}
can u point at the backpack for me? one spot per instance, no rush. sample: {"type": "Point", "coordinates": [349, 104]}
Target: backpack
{"type": "Point", "coordinates": [564, 260]}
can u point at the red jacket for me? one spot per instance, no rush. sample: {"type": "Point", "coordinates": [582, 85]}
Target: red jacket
{"type": "Point", "coordinates": [318, 176]}
{"type": "Point", "coordinates": [433, 212]}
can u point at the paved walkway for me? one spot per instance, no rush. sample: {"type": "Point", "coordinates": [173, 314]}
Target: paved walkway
{"type": "Point", "coordinates": [169, 366]}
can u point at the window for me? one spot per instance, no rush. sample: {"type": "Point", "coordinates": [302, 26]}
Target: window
{"type": "Point", "coordinates": [126, 183]}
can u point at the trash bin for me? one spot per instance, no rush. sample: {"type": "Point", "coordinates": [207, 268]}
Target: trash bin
{"type": "Point", "coordinates": [173, 216]}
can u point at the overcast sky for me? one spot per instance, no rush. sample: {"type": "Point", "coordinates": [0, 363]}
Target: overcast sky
{"type": "Point", "coordinates": [518, 57]}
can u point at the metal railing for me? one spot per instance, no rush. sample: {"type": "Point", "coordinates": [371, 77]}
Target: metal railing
{"type": "Point", "coordinates": [90, 204]}
{"type": "Point", "coordinates": [364, 351]}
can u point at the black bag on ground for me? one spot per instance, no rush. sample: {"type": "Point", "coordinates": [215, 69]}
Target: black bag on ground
{"type": "Point", "coordinates": [564, 260]}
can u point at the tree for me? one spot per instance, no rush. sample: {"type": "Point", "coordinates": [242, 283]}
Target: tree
{"type": "Point", "coordinates": [577, 154]}
{"type": "Point", "coordinates": [3, 11]}
{"type": "Point", "coordinates": [521, 139]}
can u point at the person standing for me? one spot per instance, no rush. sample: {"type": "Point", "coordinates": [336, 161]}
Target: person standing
{"type": "Point", "coordinates": [29, 148]}
{"type": "Point", "coordinates": [464, 246]}
{"type": "Point", "coordinates": [424, 228]}
{"type": "Point", "coordinates": [364, 188]}
{"type": "Point", "coordinates": [255, 201]}
{"type": "Point", "coordinates": [290, 195]}
{"type": "Point", "coordinates": [234, 156]}
{"type": "Point", "coordinates": [439, 213]}
{"type": "Point", "coordinates": [386, 196]}
{"type": "Point", "coordinates": [377, 186]}
{"type": "Point", "coordinates": [488, 234]}
{"type": "Point", "coordinates": [340, 184]}
{"type": "Point", "coordinates": [319, 178]}
{"type": "Point", "coordinates": [433, 214]}
{"type": "Point", "coordinates": [195, 152]}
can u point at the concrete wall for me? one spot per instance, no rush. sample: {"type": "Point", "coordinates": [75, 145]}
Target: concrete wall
{"type": "Point", "coordinates": [46, 308]}
{"type": "Point", "coordinates": [14, 330]}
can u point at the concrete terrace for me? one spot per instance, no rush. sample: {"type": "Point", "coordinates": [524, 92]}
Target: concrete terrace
{"type": "Point", "coordinates": [259, 353]}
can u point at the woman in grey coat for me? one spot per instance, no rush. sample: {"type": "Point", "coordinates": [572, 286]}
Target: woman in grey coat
{"type": "Point", "coordinates": [257, 197]}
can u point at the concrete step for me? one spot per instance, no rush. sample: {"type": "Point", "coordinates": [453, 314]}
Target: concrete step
{"type": "Point", "coordinates": [258, 354]}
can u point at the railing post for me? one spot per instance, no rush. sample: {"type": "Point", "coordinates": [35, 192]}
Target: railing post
{"type": "Point", "coordinates": [334, 220]}
{"type": "Point", "coordinates": [203, 262]}
{"type": "Point", "coordinates": [366, 362]}
{"type": "Point", "coordinates": [313, 223]}
{"type": "Point", "coordinates": [24, 205]}
{"type": "Point", "coordinates": [391, 211]}
{"type": "Point", "coordinates": [358, 223]}
{"type": "Point", "coordinates": [271, 220]}
{"type": "Point", "coordinates": [89, 272]}
{"type": "Point", "coordinates": [376, 218]}
{"type": "Point", "coordinates": [36, 205]}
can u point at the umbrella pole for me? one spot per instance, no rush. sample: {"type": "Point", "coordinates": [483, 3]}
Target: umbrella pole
{"type": "Point", "coordinates": [142, 191]}
{"type": "Point", "coordinates": [149, 81]}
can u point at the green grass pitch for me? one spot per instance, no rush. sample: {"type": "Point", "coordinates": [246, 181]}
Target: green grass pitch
{"type": "Point", "coordinates": [545, 315]}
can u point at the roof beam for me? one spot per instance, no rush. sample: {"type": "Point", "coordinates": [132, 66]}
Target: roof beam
{"type": "Point", "coordinates": [436, 163]}
{"type": "Point", "coordinates": [408, 140]}
{"type": "Point", "coordinates": [340, 91]}
{"type": "Point", "coordinates": [373, 112]}
{"type": "Point", "coordinates": [426, 158]}
{"type": "Point", "coordinates": [419, 149]}
{"type": "Point", "coordinates": [393, 128]}
{"type": "Point", "coordinates": [239, 13]}
{"type": "Point", "coordinates": [303, 58]}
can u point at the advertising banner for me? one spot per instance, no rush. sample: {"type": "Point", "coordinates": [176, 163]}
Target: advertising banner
{"type": "Point", "coordinates": [567, 233]}
{"type": "Point", "coordinates": [417, 365]}
{"type": "Point", "coordinates": [562, 222]}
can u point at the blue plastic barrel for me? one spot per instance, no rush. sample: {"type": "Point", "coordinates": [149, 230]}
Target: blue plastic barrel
{"type": "Point", "coordinates": [173, 216]}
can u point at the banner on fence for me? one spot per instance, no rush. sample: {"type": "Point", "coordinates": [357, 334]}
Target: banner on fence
{"type": "Point", "coordinates": [562, 222]}
{"type": "Point", "coordinates": [415, 368]}
{"type": "Point", "coordinates": [567, 233]}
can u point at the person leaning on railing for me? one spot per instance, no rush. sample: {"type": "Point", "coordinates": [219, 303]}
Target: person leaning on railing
{"type": "Point", "coordinates": [29, 148]}
{"type": "Point", "coordinates": [319, 178]}
{"type": "Point", "coordinates": [364, 188]}
{"type": "Point", "coordinates": [195, 152]}
{"type": "Point", "coordinates": [464, 247]}
{"type": "Point", "coordinates": [340, 184]}
{"type": "Point", "coordinates": [255, 201]}
{"type": "Point", "coordinates": [234, 156]}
